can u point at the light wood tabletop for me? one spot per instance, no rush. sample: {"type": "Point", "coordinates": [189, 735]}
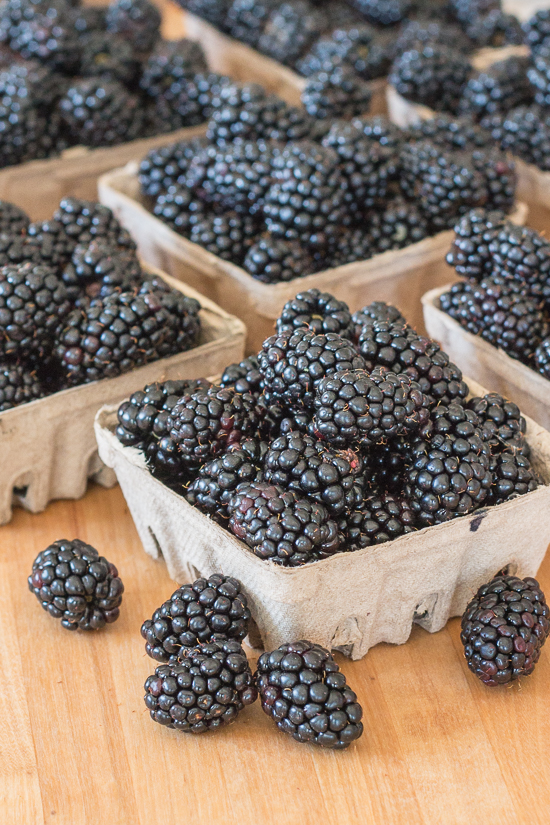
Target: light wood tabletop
{"type": "Point", "coordinates": [77, 746]}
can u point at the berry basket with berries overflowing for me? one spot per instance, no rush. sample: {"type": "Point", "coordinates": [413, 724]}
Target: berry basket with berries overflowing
{"type": "Point", "coordinates": [495, 323]}
{"type": "Point", "coordinates": [347, 475]}
{"type": "Point", "coordinates": [83, 323]}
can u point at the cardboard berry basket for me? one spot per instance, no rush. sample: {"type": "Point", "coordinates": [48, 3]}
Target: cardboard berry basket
{"type": "Point", "coordinates": [489, 365]}
{"type": "Point", "coordinates": [350, 601]}
{"type": "Point", "coordinates": [48, 446]}
{"type": "Point", "coordinates": [398, 276]}
{"type": "Point", "coordinates": [38, 185]}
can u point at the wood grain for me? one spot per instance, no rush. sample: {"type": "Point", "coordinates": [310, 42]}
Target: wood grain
{"type": "Point", "coordinates": [77, 746]}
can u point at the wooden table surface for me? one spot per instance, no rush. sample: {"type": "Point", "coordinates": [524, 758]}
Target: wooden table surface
{"type": "Point", "coordinates": [77, 746]}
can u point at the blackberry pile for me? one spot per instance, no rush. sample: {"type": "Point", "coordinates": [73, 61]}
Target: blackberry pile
{"type": "Point", "coordinates": [75, 305]}
{"type": "Point", "coordinates": [342, 433]}
{"type": "Point", "coordinates": [504, 296]}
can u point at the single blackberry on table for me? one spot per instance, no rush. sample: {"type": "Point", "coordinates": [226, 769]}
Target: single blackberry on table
{"type": "Point", "coordinates": [470, 254]}
{"type": "Point", "coordinates": [399, 225]}
{"type": "Point", "coordinates": [319, 311]}
{"type": "Point", "coordinates": [298, 462]}
{"type": "Point", "coordinates": [293, 363]}
{"type": "Point", "coordinates": [180, 209]}
{"type": "Point", "coordinates": [171, 62]}
{"type": "Point", "coordinates": [339, 92]}
{"type": "Point", "coordinates": [43, 30]}
{"type": "Point", "coordinates": [302, 689]}
{"type": "Point", "coordinates": [502, 422]}
{"type": "Point", "coordinates": [99, 268]}
{"type": "Point", "coordinates": [138, 21]}
{"type": "Point", "coordinates": [204, 423]}
{"type": "Point", "coordinates": [525, 132]}
{"type": "Point", "coordinates": [245, 19]}
{"type": "Point", "coordinates": [195, 614]}
{"type": "Point", "coordinates": [542, 358]}
{"type": "Point", "coordinates": [498, 88]}
{"type": "Point", "coordinates": [495, 30]}
{"type": "Point", "coordinates": [274, 260]}
{"type": "Point", "coordinates": [383, 12]}
{"type": "Point", "coordinates": [99, 112]}
{"type": "Point", "coordinates": [217, 480]}
{"type": "Point", "coordinates": [13, 219]}
{"type": "Point", "coordinates": [537, 30]}
{"type": "Point", "coordinates": [213, 11]}
{"type": "Point", "coordinates": [289, 31]}
{"type": "Point", "coordinates": [450, 132]}
{"type": "Point", "coordinates": [109, 56]}
{"type": "Point", "coordinates": [355, 407]}
{"type": "Point", "coordinates": [77, 585]}
{"type": "Point", "coordinates": [504, 628]}
{"type": "Point", "coordinates": [33, 308]}
{"type": "Point", "coordinates": [513, 476]}
{"type": "Point", "coordinates": [229, 235]}
{"type": "Point", "coordinates": [539, 78]}
{"type": "Point", "coordinates": [18, 385]}
{"type": "Point", "coordinates": [162, 168]}
{"type": "Point", "coordinates": [375, 311]}
{"type": "Point", "coordinates": [433, 75]}
{"type": "Point", "coordinates": [380, 518]}
{"type": "Point", "coordinates": [281, 527]}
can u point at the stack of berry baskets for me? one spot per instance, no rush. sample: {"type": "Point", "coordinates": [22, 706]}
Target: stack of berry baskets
{"type": "Point", "coordinates": [347, 475]}
{"type": "Point", "coordinates": [495, 323]}
{"type": "Point", "coordinates": [508, 101]}
{"type": "Point", "coordinates": [84, 323]}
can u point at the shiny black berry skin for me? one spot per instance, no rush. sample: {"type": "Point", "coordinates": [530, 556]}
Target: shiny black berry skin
{"type": "Point", "coordinates": [18, 385]}
{"type": "Point", "coordinates": [77, 585]}
{"type": "Point", "coordinates": [319, 311]}
{"type": "Point", "coordinates": [302, 689]}
{"type": "Point", "coordinates": [380, 518]}
{"type": "Point", "coordinates": [504, 628]}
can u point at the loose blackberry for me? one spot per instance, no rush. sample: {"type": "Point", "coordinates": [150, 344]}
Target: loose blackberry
{"type": "Point", "coordinates": [504, 628]}
{"type": "Point", "coordinates": [292, 364]}
{"type": "Point", "coordinates": [380, 518]}
{"type": "Point", "coordinates": [355, 407]}
{"type": "Point", "coordinates": [138, 21]}
{"type": "Point", "coordinates": [309, 199]}
{"type": "Point", "coordinates": [368, 166]}
{"type": "Point", "coordinates": [43, 30]}
{"type": "Point", "coordinates": [13, 219]}
{"type": "Point", "coordinates": [450, 472]}
{"type": "Point", "coordinates": [449, 132]}
{"type": "Point", "coordinates": [513, 476]}
{"type": "Point", "coordinates": [495, 30]}
{"type": "Point", "coordinates": [180, 209]}
{"type": "Point", "coordinates": [402, 350]}
{"type": "Point", "coordinates": [339, 92]}
{"type": "Point", "coordinates": [302, 690]}
{"type": "Point", "coordinates": [99, 112]}
{"type": "Point", "coordinates": [542, 358]}
{"type": "Point", "coordinates": [229, 236]}
{"type": "Point", "coordinates": [217, 480]}
{"type": "Point", "coordinates": [172, 62]}
{"type": "Point", "coordinates": [280, 527]}
{"type": "Point", "coordinates": [18, 385]}
{"type": "Point", "coordinates": [99, 268]}
{"type": "Point", "coordinates": [77, 585]}
{"type": "Point", "coordinates": [470, 254]}
{"type": "Point", "coordinates": [206, 422]}
{"type": "Point", "coordinates": [162, 168]}
{"type": "Point", "coordinates": [213, 11]}
{"type": "Point", "coordinates": [190, 101]}
{"type": "Point", "coordinates": [499, 88]}
{"type": "Point", "coordinates": [298, 462]}
{"type": "Point", "coordinates": [273, 260]}
{"type": "Point", "coordinates": [524, 131]}
{"type": "Point", "coordinates": [399, 225]}
{"type": "Point", "coordinates": [33, 309]}
{"type": "Point", "coordinates": [502, 422]}
{"type": "Point", "coordinates": [319, 311]}
{"type": "Point", "coordinates": [375, 311]}
{"type": "Point", "coordinates": [195, 614]}
{"type": "Point", "coordinates": [289, 30]}
{"type": "Point", "coordinates": [537, 30]}
{"type": "Point", "coordinates": [433, 75]}
{"type": "Point", "coordinates": [245, 19]}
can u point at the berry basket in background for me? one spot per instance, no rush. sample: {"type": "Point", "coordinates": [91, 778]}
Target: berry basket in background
{"type": "Point", "coordinates": [48, 446]}
{"type": "Point", "coordinates": [398, 276]}
{"type": "Point", "coordinates": [491, 366]}
{"type": "Point", "coordinates": [350, 601]}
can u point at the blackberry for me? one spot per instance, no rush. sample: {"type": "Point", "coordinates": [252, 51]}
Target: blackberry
{"type": "Point", "coordinates": [108, 56]}
{"type": "Point", "coordinates": [309, 199]}
{"type": "Point", "coordinates": [375, 311]}
{"type": "Point", "coordinates": [499, 314]}
{"type": "Point", "coordinates": [245, 377]}
{"type": "Point", "coordinates": [289, 31]}
{"type": "Point", "coordinates": [55, 245]}
{"type": "Point", "coordinates": [245, 19]}
{"type": "Point", "coordinates": [433, 75]}
{"type": "Point", "coordinates": [537, 30]}
{"type": "Point", "coordinates": [190, 101]}
{"type": "Point", "coordinates": [280, 527]}
{"type": "Point", "coordinates": [84, 220]}
{"type": "Point", "coordinates": [203, 689]}
{"type": "Point", "coordinates": [293, 363]}
{"type": "Point", "coordinates": [349, 246]}
{"type": "Point", "coordinates": [504, 628]}
{"type": "Point", "coordinates": [302, 690]}
{"type": "Point", "coordinates": [499, 88]}
{"type": "Point", "coordinates": [217, 480]}
{"type": "Point", "coordinates": [99, 112]}
{"type": "Point", "coordinates": [180, 209]}
{"type": "Point", "coordinates": [502, 423]}
{"type": "Point", "coordinates": [33, 308]}
{"type": "Point", "coordinates": [513, 476]}
{"type": "Point", "coordinates": [383, 12]}
{"type": "Point", "coordinates": [355, 48]}
{"type": "Point", "coordinates": [229, 236]}
{"type": "Point", "coordinates": [13, 219]}
{"type": "Point", "coordinates": [19, 249]}
{"type": "Point", "coordinates": [450, 472]}
{"type": "Point", "coordinates": [355, 407]}
{"type": "Point", "coordinates": [24, 132]}
{"type": "Point", "coordinates": [161, 168]}
{"type": "Point", "coordinates": [426, 32]}
{"type": "Point", "coordinates": [138, 21]}
{"type": "Point", "coordinates": [319, 311]}
{"type": "Point", "coordinates": [77, 585]}
{"type": "Point", "coordinates": [172, 62]}
{"type": "Point", "coordinates": [339, 92]}
{"type": "Point", "coordinates": [539, 77]}
{"type": "Point", "coordinates": [43, 30]}
{"type": "Point", "coordinates": [380, 129]}
{"type": "Point", "coordinates": [385, 466]}
{"type": "Point", "coordinates": [399, 225]}
{"type": "Point", "coordinates": [470, 254]}
{"type": "Point", "coordinates": [29, 83]}
{"type": "Point", "coordinates": [380, 518]}
{"type": "Point", "coordinates": [368, 166]}
{"type": "Point", "coordinates": [495, 30]}
{"type": "Point", "coordinates": [195, 614]}
{"type": "Point", "coordinates": [522, 256]}
{"type": "Point", "coordinates": [18, 385]}
{"type": "Point", "coordinates": [273, 260]}
{"type": "Point", "coordinates": [99, 268]}
{"type": "Point", "coordinates": [203, 424]}
{"type": "Point", "coordinates": [452, 133]}
{"type": "Point", "coordinates": [466, 11]}
{"type": "Point", "coordinates": [298, 462]}
{"type": "Point", "coordinates": [524, 131]}
{"type": "Point", "coordinates": [213, 11]}
{"type": "Point", "coordinates": [402, 350]}
{"type": "Point", "coordinates": [542, 358]}
{"type": "Point", "coordinates": [500, 176]}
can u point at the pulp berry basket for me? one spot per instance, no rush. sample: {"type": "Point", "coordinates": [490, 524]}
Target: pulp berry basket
{"type": "Point", "coordinates": [398, 276]}
{"type": "Point", "coordinates": [48, 446]}
{"type": "Point", "coordinates": [488, 364]}
{"type": "Point", "coordinates": [350, 601]}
